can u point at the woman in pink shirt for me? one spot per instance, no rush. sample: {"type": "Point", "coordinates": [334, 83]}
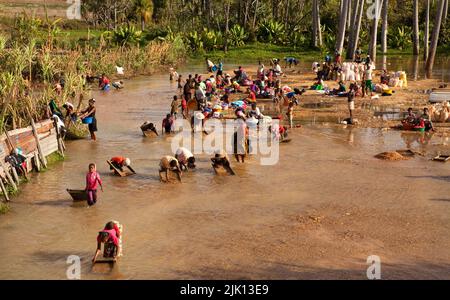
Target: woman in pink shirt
{"type": "Point", "coordinates": [92, 179]}
{"type": "Point", "coordinates": [110, 236]}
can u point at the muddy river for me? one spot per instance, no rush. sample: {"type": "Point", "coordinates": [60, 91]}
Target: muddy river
{"type": "Point", "coordinates": [319, 212]}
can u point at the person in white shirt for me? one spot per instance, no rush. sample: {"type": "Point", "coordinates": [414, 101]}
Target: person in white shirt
{"type": "Point", "coordinates": [277, 69]}
{"type": "Point", "coordinates": [169, 163]}
{"type": "Point", "coordinates": [368, 80]}
{"type": "Point", "coordinates": [185, 158]}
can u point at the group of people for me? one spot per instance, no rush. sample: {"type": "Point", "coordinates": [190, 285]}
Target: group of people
{"type": "Point", "coordinates": [419, 123]}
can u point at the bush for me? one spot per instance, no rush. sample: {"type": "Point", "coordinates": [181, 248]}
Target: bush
{"type": "Point", "coordinates": [400, 38]}
{"type": "Point", "coordinates": [237, 36]}
{"type": "Point", "coordinates": [271, 31]}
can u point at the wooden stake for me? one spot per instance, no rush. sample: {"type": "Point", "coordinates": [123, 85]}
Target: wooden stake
{"type": "Point", "coordinates": [5, 192]}
{"type": "Point", "coordinates": [36, 136]}
{"type": "Point", "coordinates": [8, 176]}
{"type": "Point", "coordinates": [15, 175]}
{"type": "Point", "coordinates": [37, 162]}
{"type": "Point", "coordinates": [8, 138]}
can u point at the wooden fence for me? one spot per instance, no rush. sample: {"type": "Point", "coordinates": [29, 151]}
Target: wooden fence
{"type": "Point", "coordinates": [37, 142]}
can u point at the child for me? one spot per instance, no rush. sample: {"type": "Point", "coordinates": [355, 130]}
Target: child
{"type": "Point", "coordinates": [174, 107]}
{"type": "Point", "coordinates": [180, 85]}
{"type": "Point", "coordinates": [111, 236]}
{"type": "Point", "coordinates": [184, 107]}
{"type": "Point", "coordinates": [92, 179]}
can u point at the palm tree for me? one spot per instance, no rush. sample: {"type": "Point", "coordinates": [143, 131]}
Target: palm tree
{"type": "Point", "coordinates": [342, 25]}
{"type": "Point", "coordinates": [427, 32]}
{"type": "Point", "coordinates": [416, 28]}
{"type": "Point", "coordinates": [384, 27]}
{"type": "Point", "coordinates": [356, 28]}
{"type": "Point", "coordinates": [144, 9]}
{"type": "Point", "coordinates": [373, 38]}
{"type": "Point", "coordinates": [435, 37]}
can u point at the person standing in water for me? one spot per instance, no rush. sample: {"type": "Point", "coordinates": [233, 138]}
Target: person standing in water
{"type": "Point", "coordinates": [92, 181]}
{"type": "Point", "coordinates": [167, 124]}
{"type": "Point", "coordinates": [351, 101]}
{"type": "Point", "coordinates": [90, 112]}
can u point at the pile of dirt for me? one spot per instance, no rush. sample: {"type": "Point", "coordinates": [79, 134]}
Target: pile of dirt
{"type": "Point", "coordinates": [390, 156]}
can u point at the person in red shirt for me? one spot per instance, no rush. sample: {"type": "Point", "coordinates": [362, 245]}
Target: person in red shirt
{"type": "Point", "coordinates": [184, 107]}
{"type": "Point", "coordinates": [119, 162]}
{"type": "Point", "coordinates": [251, 96]}
{"type": "Point", "coordinates": [110, 236]}
{"type": "Point", "coordinates": [104, 83]}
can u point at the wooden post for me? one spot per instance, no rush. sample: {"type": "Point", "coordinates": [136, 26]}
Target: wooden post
{"type": "Point", "coordinates": [36, 136]}
{"type": "Point", "coordinates": [5, 192]}
{"type": "Point", "coordinates": [8, 176]}
{"type": "Point", "coordinates": [8, 138]}
{"type": "Point", "coordinates": [15, 175]}
{"type": "Point", "coordinates": [37, 162]}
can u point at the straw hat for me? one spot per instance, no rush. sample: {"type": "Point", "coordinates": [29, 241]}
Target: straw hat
{"type": "Point", "coordinates": [127, 162]}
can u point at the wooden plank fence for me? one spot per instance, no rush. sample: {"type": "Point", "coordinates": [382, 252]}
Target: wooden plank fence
{"type": "Point", "coordinates": [36, 141]}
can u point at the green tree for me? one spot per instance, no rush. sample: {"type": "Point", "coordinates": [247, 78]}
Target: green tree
{"type": "Point", "coordinates": [144, 9]}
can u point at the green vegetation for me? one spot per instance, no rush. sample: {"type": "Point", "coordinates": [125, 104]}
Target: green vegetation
{"type": "Point", "coordinates": [37, 53]}
{"type": "Point", "coordinates": [4, 208]}
{"type": "Point", "coordinates": [54, 158]}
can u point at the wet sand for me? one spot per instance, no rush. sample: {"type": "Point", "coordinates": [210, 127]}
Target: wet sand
{"type": "Point", "coordinates": [319, 213]}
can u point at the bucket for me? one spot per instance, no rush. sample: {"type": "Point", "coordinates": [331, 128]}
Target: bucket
{"type": "Point", "coordinates": [87, 120]}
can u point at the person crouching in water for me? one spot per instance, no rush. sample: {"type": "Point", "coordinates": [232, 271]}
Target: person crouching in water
{"type": "Point", "coordinates": [92, 180]}
{"type": "Point", "coordinates": [111, 237]}
{"type": "Point", "coordinates": [185, 158]}
{"type": "Point", "coordinates": [220, 159]}
{"type": "Point", "coordinates": [120, 162]}
{"type": "Point", "coordinates": [169, 163]}
{"type": "Point", "coordinates": [147, 126]}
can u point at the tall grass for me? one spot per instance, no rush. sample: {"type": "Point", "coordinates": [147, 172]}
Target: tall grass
{"type": "Point", "coordinates": [31, 65]}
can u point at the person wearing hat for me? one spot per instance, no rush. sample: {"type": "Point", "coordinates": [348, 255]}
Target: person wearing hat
{"type": "Point", "coordinates": [120, 162]}
{"type": "Point", "coordinates": [90, 112]}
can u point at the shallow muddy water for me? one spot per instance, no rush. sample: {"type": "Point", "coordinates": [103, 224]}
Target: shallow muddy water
{"type": "Point", "coordinates": [244, 226]}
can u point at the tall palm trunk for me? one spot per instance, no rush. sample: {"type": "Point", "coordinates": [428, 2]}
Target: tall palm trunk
{"type": "Point", "coordinates": [227, 6]}
{"type": "Point", "coordinates": [384, 27]}
{"type": "Point", "coordinates": [355, 40]}
{"type": "Point", "coordinates": [349, 14]}
{"type": "Point", "coordinates": [373, 39]}
{"type": "Point", "coordinates": [319, 29]}
{"type": "Point", "coordinates": [435, 37]}
{"type": "Point", "coordinates": [342, 24]}
{"type": "Point", "coordinates": [416, 27]}
{"type": "Point", "coordinates": [445, 10]}
{"type": "Point", "coordinates": [316, 31]}
{"type": "Point", "coordinates": [313, 21]}
{"type": "Point", "coordinates": [352, 29]}
{"type": "Point", "coordinates": [427, 32]}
